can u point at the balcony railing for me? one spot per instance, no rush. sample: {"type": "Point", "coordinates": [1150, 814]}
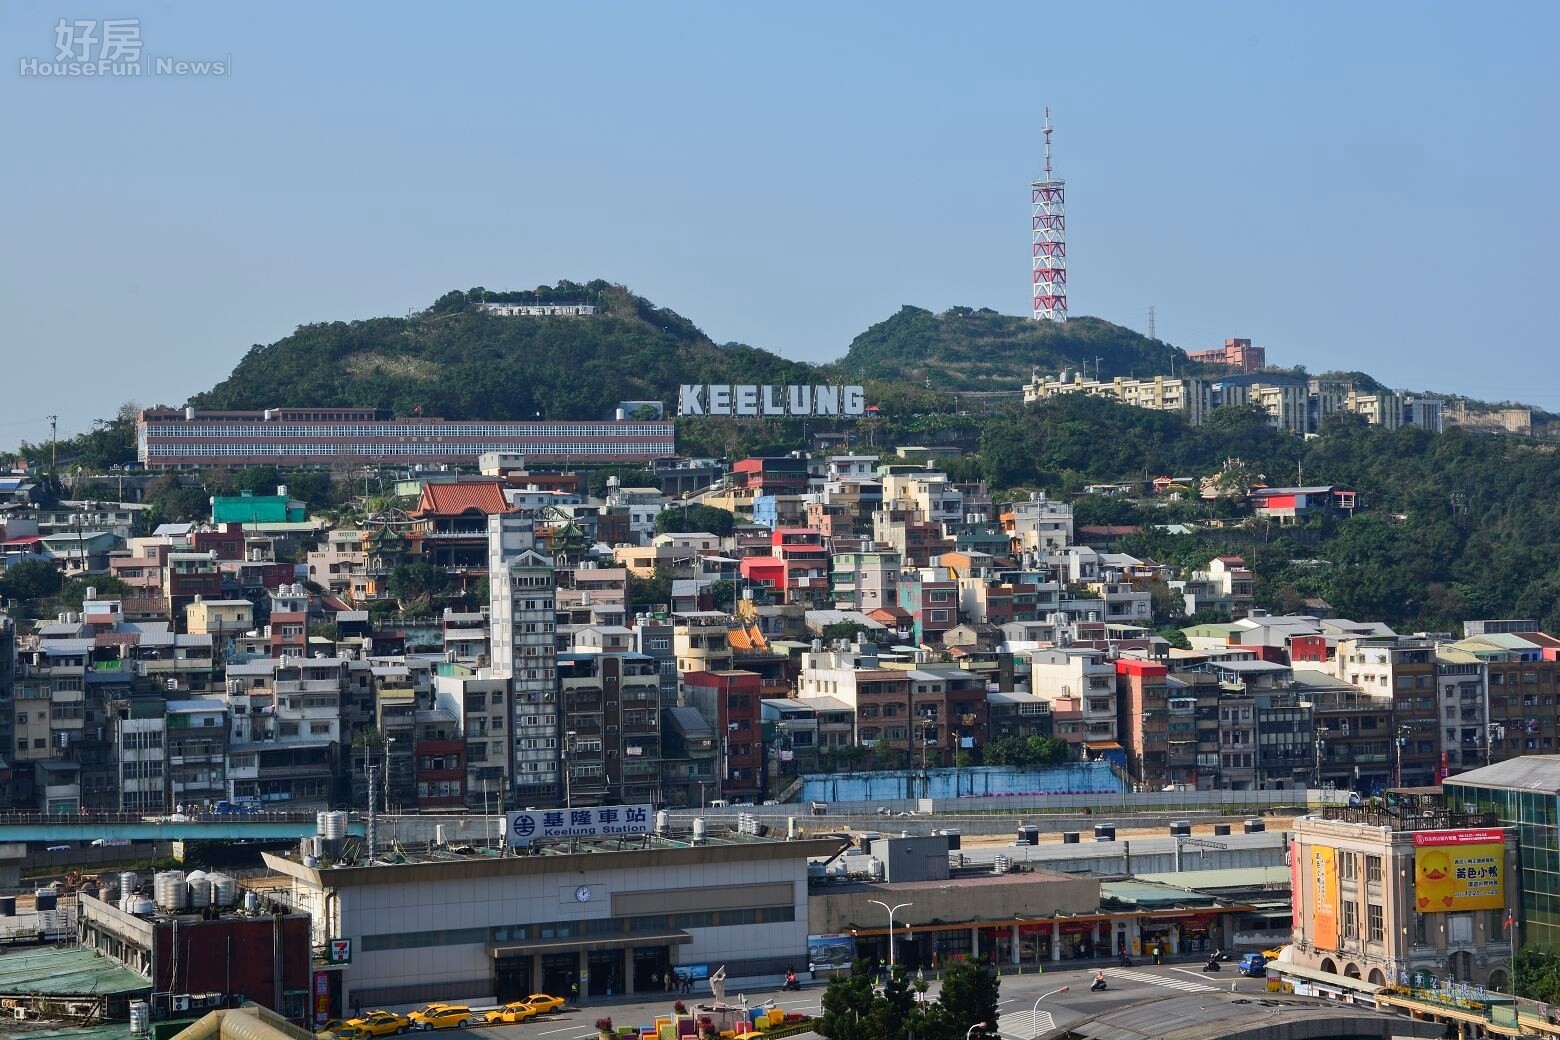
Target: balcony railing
{"type": "Point", "coordinates": [1404, 820]}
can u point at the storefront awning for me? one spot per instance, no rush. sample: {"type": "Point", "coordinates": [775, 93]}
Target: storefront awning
{"type": "Point", "coordinates": [1102, 745]}
{"type": "Point", "coordinates": [614, 942]}
{"type": "Point", "coordinates": [1322, 978]}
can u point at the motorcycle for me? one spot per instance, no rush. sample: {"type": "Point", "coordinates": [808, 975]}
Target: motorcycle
{"type": "Point", "coordinates": [1126, 962]}
{"type": "Point", "coordinates": [791, 983]}
{"type": "Point", "coordinates": [1212, 965]}
{"type": "Point", "coordinates": [1099, 983]}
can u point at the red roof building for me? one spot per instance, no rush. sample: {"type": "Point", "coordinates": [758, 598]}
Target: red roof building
{"type": "Point", "coordinates": [454, 524]}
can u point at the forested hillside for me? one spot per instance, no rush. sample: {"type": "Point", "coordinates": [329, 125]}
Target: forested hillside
{"type": "Point", "coordinates": [964, 349]}
{"type": "Point", "coordinates": [1452, 526]}
{"type": "Point", "coordinates": [457, 362]}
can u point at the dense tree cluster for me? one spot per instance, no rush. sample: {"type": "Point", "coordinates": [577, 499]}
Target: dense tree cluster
{"type": "Point", "coordinates": [1031, 751]}
{"type": "Point", "coordinates": [965, 349]}
{"type": "Point", "coordinates": [1452, 526]}
{"type": "Point", "coordinates": [455, 361]}
{"type": "Point", "coordinates": [855, 1007]}
{"type": "Point", "coordinates": [1535, 974]}
{"type": "Point", "coordinates": [695, 518]}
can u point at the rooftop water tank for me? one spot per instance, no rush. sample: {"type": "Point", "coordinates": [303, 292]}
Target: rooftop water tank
{"type": "Point", "coordinates": [199, 885]}
{"type": "Point", "coordinates": [700, 831]}
{"type": "Point", "coordinates": [224, 890]}
{"type": "Point", "coordinates": [170, 890]}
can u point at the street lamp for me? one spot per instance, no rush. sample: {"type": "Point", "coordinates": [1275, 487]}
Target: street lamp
{"type": "Point", "coordinates": [1035, 1014]}
{"type": "Point", "coordinates": [971, 1030]}
{"type": "Point", "coordinates": [1321, 749]}
{"type": "Point", "coordinates": [892, 910]}
{"type": "Point", "coordinates": [388, 741]}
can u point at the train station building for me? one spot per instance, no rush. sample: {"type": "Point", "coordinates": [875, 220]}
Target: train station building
{"type": "Point", "coordinates": [611, 916]}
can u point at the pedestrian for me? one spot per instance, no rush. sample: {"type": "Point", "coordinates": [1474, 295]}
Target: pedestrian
{"type": "Point", "coordinates": [655, 978]}
{"type": "Point", "coordinates": [1158, 954]}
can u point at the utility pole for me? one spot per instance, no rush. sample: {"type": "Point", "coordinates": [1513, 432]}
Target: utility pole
{"type": "Point", "coordinates": [54, 425]}
{"type": "Point", "coordinates": [372, 835]}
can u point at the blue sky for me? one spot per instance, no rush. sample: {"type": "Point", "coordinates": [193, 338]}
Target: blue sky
{"type": "Point", "coordinates": [1351, 185]}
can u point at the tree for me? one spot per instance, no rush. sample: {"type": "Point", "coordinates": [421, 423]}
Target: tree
{"type": "Point", "coordinates": [655, 591]}
{"type": "Point", "coordinates": [846, 630]}
{"type": "Point", "coordinates": [854, 1009]}
{"type": "Point", "coordinates": [1030, 752]}
{"type": "Point", "coordinates": [695, 518]}
{"type": "Point", "coordinates": [415, 586]}
{"type": "Point", "coordinates": [74, 592]}
{"type": "Point", "coordinates": [1535, 974]}
{"type": "Point", "coordinates": [969, 995]}
{"type": "Point", "coordinates": [847, 1002]}
{"type": "Point", "coordinates": [30, 580]}
{"type": "Point", "coordinates": [172, 502]}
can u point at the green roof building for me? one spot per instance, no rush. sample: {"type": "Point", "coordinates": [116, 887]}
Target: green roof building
{"type": "Point", "coordinates": [249, 508]}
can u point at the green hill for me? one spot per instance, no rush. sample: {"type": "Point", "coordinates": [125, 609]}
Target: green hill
{"type": "Point", "coordinates": [964, 349]}
{"type": "Point", "coordinates": [455, 361]}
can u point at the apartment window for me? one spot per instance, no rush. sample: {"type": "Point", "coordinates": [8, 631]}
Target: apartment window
{"type": "Point", "coordinates": [1377, 930]}
{"type": "Point", "coordinates": [1351, 921]}
{"type": "Point", "coordinates": [1373, 869]}
{"type": "Point", "coordinates": [1347, 868]}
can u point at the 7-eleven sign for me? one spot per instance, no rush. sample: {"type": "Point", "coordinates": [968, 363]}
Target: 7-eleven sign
{"type": "Point", "coordinates": [340, 951]}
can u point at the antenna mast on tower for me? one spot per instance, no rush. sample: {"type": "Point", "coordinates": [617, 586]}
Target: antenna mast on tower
{"type": "Point", "coordinates": [1048, 231]}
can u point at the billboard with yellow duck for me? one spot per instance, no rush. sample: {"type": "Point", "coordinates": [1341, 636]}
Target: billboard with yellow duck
{"type": "Point", "coordinates": [1459, 870]}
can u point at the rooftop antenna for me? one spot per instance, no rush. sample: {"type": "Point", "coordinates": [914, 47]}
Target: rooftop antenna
{"type": "Point", "coordinates": [1048, 235]}
{"type": "Point", "coordinates": [1047, 131]}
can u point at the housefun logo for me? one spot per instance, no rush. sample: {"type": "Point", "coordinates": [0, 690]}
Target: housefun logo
{"type": "Point", "coordinates": [112, 49]}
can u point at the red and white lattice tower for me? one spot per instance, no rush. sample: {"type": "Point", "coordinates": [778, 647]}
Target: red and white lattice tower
{"type": "Point", "coordinates": [1048, 228]}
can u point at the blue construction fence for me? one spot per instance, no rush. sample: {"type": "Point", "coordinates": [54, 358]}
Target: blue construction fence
{"type": "Point", "coordinates": [972, 782]}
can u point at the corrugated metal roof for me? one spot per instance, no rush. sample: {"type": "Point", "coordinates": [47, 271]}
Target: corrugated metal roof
{"type": "Point", "coordinates": [1224, 877]}
{"type": "Point", "coordinates": [66, 971]}
{"type": "Point", "coordinates": [689, 722]}
{"type": "Point", "coordinates": [1528, 773]}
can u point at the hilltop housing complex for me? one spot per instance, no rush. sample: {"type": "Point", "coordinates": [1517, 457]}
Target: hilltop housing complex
{"type": "Point", "coordinates": [1293, 404]}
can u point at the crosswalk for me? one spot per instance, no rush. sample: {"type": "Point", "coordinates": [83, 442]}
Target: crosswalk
{"type": "Point", "coordinates": [1185, 985]}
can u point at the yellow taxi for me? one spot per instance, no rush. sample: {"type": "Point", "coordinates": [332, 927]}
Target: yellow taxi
{"type": "Point", "coordinates": [441, 1016]}
{"type": "Point", "coordinates": [518, 1011]}
{"type": "Point", "coordinates": [544, 1004]}
{"type": "Point", "coordinates": [1272, 954]}
{"type": "Point", "coordinates": [378, 1023]}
